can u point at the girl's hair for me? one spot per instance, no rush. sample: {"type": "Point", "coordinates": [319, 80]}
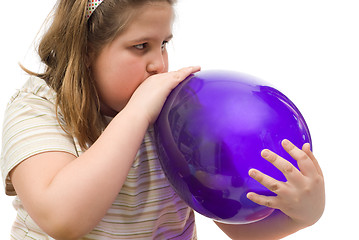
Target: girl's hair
{"type": "Point", "coordinates": [66, 48]}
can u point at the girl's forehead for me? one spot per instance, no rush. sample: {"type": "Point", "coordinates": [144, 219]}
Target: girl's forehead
{"type": "Point", "coordinates": [149, 10]}
{"type": "Point", "coordinates": [150, 19]}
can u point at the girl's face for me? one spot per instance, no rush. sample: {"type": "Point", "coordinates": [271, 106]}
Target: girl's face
{"type": "Point", "coordinates": [137, 53]}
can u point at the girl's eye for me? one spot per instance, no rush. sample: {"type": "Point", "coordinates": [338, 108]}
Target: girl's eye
{"type": "Point", "coordinates": [141, 46]}
{"type": "Point", "coordinates": [164, 44]}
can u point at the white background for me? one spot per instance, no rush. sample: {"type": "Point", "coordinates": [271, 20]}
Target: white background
{"type": "Point", "coordinates": [308, 49]}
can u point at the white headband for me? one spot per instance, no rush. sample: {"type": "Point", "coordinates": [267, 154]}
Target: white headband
{"type": "Point", "coordinates": [91, 6]}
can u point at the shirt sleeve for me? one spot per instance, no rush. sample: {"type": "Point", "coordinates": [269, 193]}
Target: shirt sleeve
{"type": "Point", "coordinates": [30, 127]}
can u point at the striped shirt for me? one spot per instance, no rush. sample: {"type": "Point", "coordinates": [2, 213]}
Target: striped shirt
{"type": "Point", "coordinates": [146, 207]}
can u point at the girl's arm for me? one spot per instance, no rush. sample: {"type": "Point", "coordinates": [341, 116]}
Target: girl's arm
{"type": "Point", "coordinates": [299, 202]}
{"type": "Point", "coordinates": [67, 196]}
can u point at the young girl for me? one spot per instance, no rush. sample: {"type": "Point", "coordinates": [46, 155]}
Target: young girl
{"type": "Point", "coordinates": [77, 139]}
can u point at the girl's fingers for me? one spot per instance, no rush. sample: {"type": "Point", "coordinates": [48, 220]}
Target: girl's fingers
{"type": "Point", "coordinates": [267, 181]}
{"type": "Point", "coordinates": [263, 200]}
{"type": "Point", "coordinates": [280, 163]}
{"type": "Point", "coordinates": [306, 149]}
{"type": "Point", "coordinates": [184, 72]}
{"type": "Point", "coordinates": [305, 163]}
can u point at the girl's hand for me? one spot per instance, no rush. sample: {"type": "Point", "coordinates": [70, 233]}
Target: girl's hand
{"type": "Point", "coordinates": [149, 97]}
{"type": "Point", "coordinates": [302, 197]}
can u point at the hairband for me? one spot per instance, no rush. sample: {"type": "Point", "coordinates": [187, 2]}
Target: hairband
{"type": "Point", "coordinates": [91, 6]}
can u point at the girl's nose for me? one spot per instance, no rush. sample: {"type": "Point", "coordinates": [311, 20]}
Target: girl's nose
{"type": "Point", "coordinates": [157, 63]}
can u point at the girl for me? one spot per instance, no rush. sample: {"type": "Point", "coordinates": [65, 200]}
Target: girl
{"type": "Point", "coordinates": [77, 139]}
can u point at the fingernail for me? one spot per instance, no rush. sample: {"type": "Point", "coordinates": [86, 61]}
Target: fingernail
{"type": "Point", "coordinates": [285, 142]}
{"type": "Point", "coordinates": [252, 173]}
{"type": "Point", "coordinates": [196, 68]}
{"type": "Point", "coordinates": [265, 153]}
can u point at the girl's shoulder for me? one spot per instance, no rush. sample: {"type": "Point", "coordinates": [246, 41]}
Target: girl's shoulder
{"type": "Point", "coordinates": [33, 88]}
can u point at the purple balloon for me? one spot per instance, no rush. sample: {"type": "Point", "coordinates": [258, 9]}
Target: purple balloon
{"type": "Point", "coordinates": [210, 133]}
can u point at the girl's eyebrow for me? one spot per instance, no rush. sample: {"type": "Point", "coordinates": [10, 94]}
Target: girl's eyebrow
{"type": "Point", "coordinates": [146, 39]}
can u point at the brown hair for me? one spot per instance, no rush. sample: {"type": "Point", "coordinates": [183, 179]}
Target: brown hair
{"type": "Point", "coordinates": [65, 49]}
